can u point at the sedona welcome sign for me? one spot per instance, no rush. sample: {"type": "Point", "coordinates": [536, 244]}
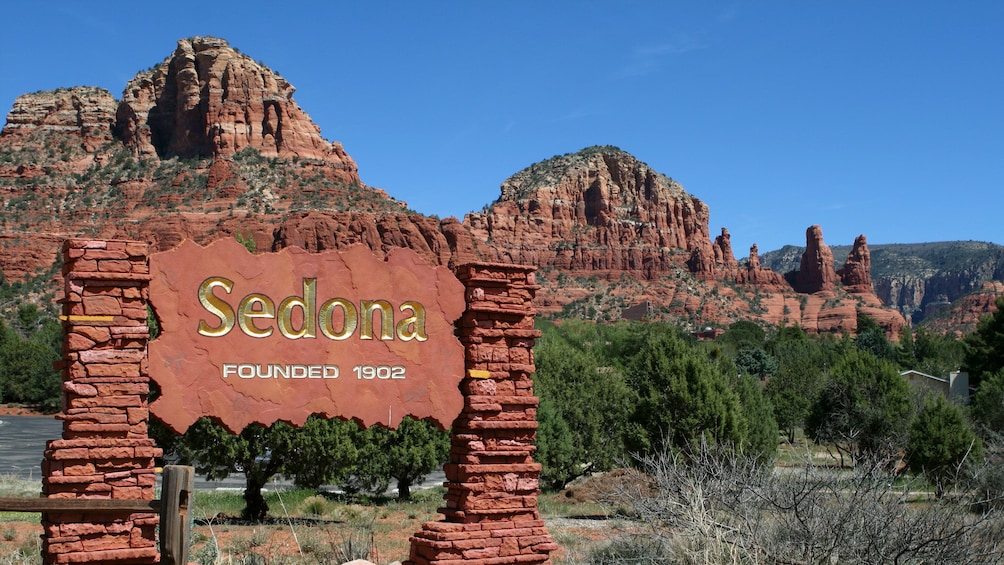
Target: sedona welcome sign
{"type": "Point", "coordinates": [280, 336]}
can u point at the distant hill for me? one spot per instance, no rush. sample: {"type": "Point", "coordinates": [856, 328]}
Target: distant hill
{"type": "Point", "coordinates": [918, 279]}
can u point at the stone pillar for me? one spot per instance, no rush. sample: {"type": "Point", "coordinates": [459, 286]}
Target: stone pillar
{"type": "Point", "coordinates": [105, 451]}
{"type": "Point", "coordinates": [491, 514]}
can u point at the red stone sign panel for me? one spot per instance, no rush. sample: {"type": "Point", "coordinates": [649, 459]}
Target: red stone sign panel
{"type": "Point", "coordinates": [260, 338]}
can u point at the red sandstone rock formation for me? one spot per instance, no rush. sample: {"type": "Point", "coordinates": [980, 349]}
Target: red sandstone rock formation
{"type": "Point", "coordinates": [68, 175]}
{"type": "Point", "coordinates": [710, 261]}
{"type": "Point", "coordinates": [598, 210]}
{"type": "Point", "coordinates": [753, 263]}
{"type": "Point", "coordinates": [870, 305]}
{"type": "Point", "coordinates": [760, 276]}
{"type": "Point", "coordinates": [816, 270]}
{"type": "Point", "coordinates": [723, 250]}
{"type": "Point", "coordinates": [56, 131]}
{"type": "Point", "coordinates": [222, 178]}
{"type": "Point", "coordinates": [208, 100]}
{"type": "Point", "coordinates": [316, 231]}
{"type": "Point", "coordinates": [601, 225]}
{"type": "Point", "coordinates": [856, 273]}
{"type": "Point", "coordinates": [84, 113]}
{"type": "Point", "coordinates": [963, 315]}
{"type": "Point", "coordinates": [702, 261]}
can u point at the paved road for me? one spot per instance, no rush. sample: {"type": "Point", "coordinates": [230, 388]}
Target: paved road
{"type": "Point", "coordinates": [22, 441]}
{"type": "Point", "coordinates": [23, 438]}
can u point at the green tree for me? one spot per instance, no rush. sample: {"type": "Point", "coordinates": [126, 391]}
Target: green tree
{"type": "Point", "coordinates": [584, 394]}
{"type": "Point", "coordinates": [936, 354]}
{"type": "Point", "coordinates": [47, 337]}
{"type": "Point", "coordinates": [802, 364]}
{"type": "Point", "coordinates": [985, 346]}
{"type": "Point", "coordinates": [864, 408]}
{"type": "Point", "coordinates": [756, 362]}
{"type": "Point", "coordinates": [787, 334]}
{"type": "Point", "coordinates": [28, 349]}
{"type": "Point", "coordinates": [257, 451]}
{"type": "Point", "coordinates": [790, 402]}
{"type": "Point", "coordinates": [792, 346]}
{"type": "Point", "coordinates": [683, 399]}
{"type": "Point", "coordinates": [246, 240]}
{"type": "Point", "coordinates": [987, 404]}
{"type": "Point", "coordinates": [314, 454]}
{"type": "Point", "coordinates": [941, 443]}
{"type": "Point", "coordinates": [322, 451]}
{"type": "Point", "coordinates": [405, 455]}
{"type": "Point", "coordinates": [906, 350]}
{"type": "Point", "coordinates": [865, 322]}
{"type": "Point", "coordinates": [761, 426]}
{"type": "Point", "coordinates": [743, 333]}
{"type": "Point", "coordinates": [555, 448]}
{"type": "Point", "coordinates": [871, 338]}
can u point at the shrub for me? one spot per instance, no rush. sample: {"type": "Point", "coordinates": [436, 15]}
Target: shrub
{"type": "Point", "coordinates": [629, 550]}
{"type": "Point", "coordinates": [711, 505]}
{"type": "Point", "coordinates": [315, 506]}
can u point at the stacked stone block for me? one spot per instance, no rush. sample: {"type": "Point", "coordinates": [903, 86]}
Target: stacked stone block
{"type": "Point", "coordinates": [491, 515]}
{"type": "Point", "coordinates": [105, 451]}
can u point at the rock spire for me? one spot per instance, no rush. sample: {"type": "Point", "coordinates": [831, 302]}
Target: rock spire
{"type": "Point", "coordinates": [856, 272]}
{"type": "Point", "coordinates": [815, 272]}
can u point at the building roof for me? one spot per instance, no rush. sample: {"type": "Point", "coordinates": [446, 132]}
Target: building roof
{"type": "Point", "coordinates": [911, 372]}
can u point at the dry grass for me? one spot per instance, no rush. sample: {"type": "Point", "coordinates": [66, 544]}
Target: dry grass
{"type": "Point", "coordinates": [307, 527]}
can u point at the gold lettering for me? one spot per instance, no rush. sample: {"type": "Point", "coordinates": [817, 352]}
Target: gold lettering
{"type": "Point", "coordinates": [255, 306]}
{"type": "Point", "coordinates": [306, 304]}
{"type": "Point", "coordinates": [386, 311]}
{"type": "Point", "coordinates": [416, 321]}
{"type": "Point", "coordinates": [349, 320]}
{"type": "Point", "coordinates": [258, 305]}
{"type": "Point", "coordinates": [216, 307]}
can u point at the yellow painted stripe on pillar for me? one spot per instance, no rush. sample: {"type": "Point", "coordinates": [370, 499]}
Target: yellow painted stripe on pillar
{"type": "Point", "coordinates": [87, 318]}
{"type": "Point", "coordinates": [479, 374]}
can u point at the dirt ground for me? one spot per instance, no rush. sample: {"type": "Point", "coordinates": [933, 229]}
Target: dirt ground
{"type": "Point", "coordinates": [573, 522]}
{"type": "Point", "coordinates": [18, 410]}
{"type": "Point", "coordinates": [315, 543]}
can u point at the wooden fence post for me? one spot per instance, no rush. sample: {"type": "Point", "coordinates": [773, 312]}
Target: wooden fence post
{"type": "Point", "coordinates": [177, 487]}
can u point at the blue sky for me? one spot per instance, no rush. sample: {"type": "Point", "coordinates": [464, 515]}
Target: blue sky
{"type": "Point", "coordinates": [882, 118]}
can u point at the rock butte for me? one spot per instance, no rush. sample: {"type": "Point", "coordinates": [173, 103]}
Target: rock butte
{"type": "Point", "coordinates": [210, 144]}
